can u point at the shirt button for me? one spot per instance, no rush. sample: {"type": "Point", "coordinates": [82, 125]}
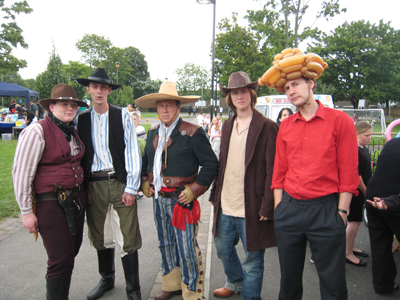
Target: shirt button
{"type": "Point", "coordinates": [76, 176]}
{"type": "Point", "coordinates": [73, 169]}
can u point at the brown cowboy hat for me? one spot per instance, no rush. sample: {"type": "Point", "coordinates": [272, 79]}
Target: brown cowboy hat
{"type": "Point", "coordinates": [61, 92]}
{"type": "Point", "coordinates": [99, 76]}
{"type": "Point", "coordinates": [238, 80]}
{"type": "Point", "coordinates": [167, 92]}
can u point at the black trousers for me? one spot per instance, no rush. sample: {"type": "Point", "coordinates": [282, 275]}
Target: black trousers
{"type": "Point", "coordinates": [319, 222]}
{"type": "Point", "coordinates": [382, 225]}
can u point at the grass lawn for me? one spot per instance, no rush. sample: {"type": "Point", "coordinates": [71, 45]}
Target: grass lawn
{"type": "Point", "coordinates": [8, 205]}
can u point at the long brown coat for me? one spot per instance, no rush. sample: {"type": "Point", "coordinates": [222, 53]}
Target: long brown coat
{"type": "Point", "coordinates": [259, 163]}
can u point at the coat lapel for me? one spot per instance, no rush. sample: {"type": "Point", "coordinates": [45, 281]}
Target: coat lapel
{"type": "Point", "coordinates": [252, 136]}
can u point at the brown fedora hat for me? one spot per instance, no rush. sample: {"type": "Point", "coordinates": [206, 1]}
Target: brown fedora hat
{"type": "Point", "coordinates": [167, 92]}
{"type": "Point", "coordinates": [61, 92]}
{"type": "Point", "coordinates": [238, 80]}
{"type": "Point", "coordinates": [100, 76]}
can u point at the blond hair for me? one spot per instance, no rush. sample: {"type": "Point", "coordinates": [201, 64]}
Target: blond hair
{"type": "Point", "coordinates": [363, 126]}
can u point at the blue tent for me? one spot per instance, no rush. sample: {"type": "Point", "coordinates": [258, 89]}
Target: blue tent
{"type": "Point", "coordinates": [11, 89]}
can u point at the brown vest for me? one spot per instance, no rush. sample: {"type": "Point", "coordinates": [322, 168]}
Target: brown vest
{"type": "Point", "coordinates": [57, 166]}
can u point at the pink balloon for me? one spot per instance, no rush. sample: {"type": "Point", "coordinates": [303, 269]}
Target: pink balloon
{"type": "Point", "coordinates": [389, 129]}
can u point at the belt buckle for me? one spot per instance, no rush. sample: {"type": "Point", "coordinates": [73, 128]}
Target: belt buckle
{"type": "Point", "coordinates": [109, 174]}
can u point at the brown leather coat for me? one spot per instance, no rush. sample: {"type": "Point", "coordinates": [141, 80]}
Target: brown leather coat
{"type": "Point", "coordinates": [259, 163]}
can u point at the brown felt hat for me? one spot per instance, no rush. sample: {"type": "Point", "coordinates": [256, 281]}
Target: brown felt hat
{"type": "Point", "coordinates": [238, 80]}
{"type": "Point", "coordinates": [62, 92]}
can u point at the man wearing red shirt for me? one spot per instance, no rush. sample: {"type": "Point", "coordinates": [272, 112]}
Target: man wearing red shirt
{"type": "Point", "coordinates": [315, 174]}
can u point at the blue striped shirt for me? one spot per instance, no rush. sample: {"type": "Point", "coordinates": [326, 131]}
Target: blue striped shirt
{"type": "Point", "coordinates": [102, 159]}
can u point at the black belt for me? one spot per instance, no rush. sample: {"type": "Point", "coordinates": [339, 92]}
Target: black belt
{"type": "Point", "coordinates": [103, 177]}
{"type": "Point", "coordinates": [167, 194]}
{"type": "Point", "coordinates": [53, 195]}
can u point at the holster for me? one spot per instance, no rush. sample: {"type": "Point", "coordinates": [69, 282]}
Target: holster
{"type": "Point", "coordinates": [71, 205]}
{"type": "Point", "coordinates": [175, 196]}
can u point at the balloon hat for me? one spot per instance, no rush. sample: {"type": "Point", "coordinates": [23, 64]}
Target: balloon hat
{"type": "Point", "coordinates": [292, 64]}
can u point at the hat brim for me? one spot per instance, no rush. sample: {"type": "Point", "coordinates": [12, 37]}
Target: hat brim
{"type": "Point", "coordinates": [225, 90]}
{"type": "Point", "coordinates": [86, 81]}
{"type": "Point", "coordinates": [45, 103]}
{"type": "Point", "coordinates": [150, 101]}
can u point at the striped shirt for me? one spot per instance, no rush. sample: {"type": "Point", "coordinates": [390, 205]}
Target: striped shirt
{"type": "Point", "coordinates": [30, 148]}
{"type": "Point", "coordinates": [102, 159]}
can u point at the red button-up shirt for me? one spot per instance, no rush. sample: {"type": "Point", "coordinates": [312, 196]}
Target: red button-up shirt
{"type": "Point", "coordinates": [317, 157]}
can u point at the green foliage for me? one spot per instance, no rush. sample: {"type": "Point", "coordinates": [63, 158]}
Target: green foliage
{"type": "Point", "coordinates": [11, 36]}
{"type": "Point", "coordinates": [8, 205]}
{"type": "Point", "coordinates": [125, 95]}
{"type": "Point", "coordinates": [145, 87]}
{"type": "Point", "coordinates": [238, 48]}
{"type": "Point", "coordinates": [192, 79]}
{"type": "Point", "coordinates": [364, 61]}
{"type": "Point", "coordinates": [75, 70]}
{"type": "Point", "coordinates": [53, 75]}
{"type": "Point", "coordinates": [93, 48]}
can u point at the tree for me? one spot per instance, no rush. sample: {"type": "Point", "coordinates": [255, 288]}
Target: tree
{"type": "Point", "coordinates": [125, 95]}
{"type": "Point", "coordinates": [192, 80]}
{"type": "Point", "coordinates": [53, 75]}
{"type": "Point", "coordinates": [239, 49]}
{"type": "Point", "coordinates": [146, 87]}
{"type": "Point", "coordinates": [75, 70]}
{"type": "Point", "coordinates": [273, 22]}
{"type": "Point", "coordinates": [94, 48]}
{"type": "Point", "coordinates": [11, 36]}
{"type": "Point", "coordinates": [364, 61]}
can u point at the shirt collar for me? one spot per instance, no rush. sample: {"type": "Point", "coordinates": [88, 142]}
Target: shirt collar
{"type": "Point", "coordinates": [320, 113]}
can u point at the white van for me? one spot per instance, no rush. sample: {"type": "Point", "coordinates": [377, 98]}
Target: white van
{"type": "Point", "coordinates": [271, 105]}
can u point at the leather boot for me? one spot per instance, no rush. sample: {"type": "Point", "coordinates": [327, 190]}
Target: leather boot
{"type": "Point", "coordinates": [130, 262]}
{"type": "Point", "coordinates": [58, 288]}
{"type": "Point", "coordinates": [107, 272]}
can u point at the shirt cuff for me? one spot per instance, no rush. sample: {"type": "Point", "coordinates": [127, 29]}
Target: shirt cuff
{"type": "Point", "coordinates": [130, 191]}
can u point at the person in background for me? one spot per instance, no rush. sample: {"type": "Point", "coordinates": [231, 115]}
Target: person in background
{"type": "Point", "coordinates": [34, 109]}
{"type": "Point", "coordinates": [138, 111]}
{"type": "Point", "coordinates": [194, 110]}
{"type": "Point", "coordinates": [241, 195]}
{"type": "Point", "coordinates": [11, 107]}
{"type": "Point", "coordinates": [52, 170]}
{"type": "Point", "coordinates": [354, 219]}
{"type": "Point", "coordinates": [221, 111]}
{"type": "Point", "coordinates": [140, 131]}
{"type": "Point", "coordinates": [130, 108]}
{"type": "Point", "coordinates": [40, 115]}
{"type": "Point", "coordinates": [313, 183]}
{"type": "Point", "coordinates": [200, 119]}
{"type": "Point", "coordinates": [384, 217]}
{"type": "Point", "coordinates": [112, 177]}
{"type": "Point", "coordinates": [283, 114]}
{"type": "Point", "coordinates": [178, 167]}
{"type": "Point", "coordinates": [214, 132]}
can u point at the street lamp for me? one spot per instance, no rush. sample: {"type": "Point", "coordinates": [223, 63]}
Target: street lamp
{"type": "Point", "coordinates": [213, 52]}
{"type": "Point", "coordinates": [117, 64]}
{"type": "Point", "coordinates": [220, 66]}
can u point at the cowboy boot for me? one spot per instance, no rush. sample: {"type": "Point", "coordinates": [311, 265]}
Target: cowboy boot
{"type": "Point", "coordinates": [130, 262]}
{"type": "Point", "coordinates": [107, 272]}
{"type": "Point", "coordinates": [58, 288]}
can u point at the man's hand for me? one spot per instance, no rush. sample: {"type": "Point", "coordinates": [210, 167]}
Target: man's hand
{"type": "Point", "coordinates": [128, 199]}
{"type": "Point", "coordinates": [30, 222]}
{"type": "Point", "coordinates": [263, 218]}
{"type": "Point", "coordinates": [378, 203]}
{"type": "Point", "coordinates": [186, 196]}
{"type": "Point", "coordinates": [344, 217]}
{"type": "Point", "coordinates": [146, 188]}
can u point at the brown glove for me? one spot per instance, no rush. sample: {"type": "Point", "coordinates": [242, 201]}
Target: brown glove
{"type": "Point", "coordinates": [145, 187]}
{"type": "Point", "coordinates": [188, 194]}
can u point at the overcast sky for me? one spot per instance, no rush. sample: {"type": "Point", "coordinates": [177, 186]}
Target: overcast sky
{"type": "Point", "coordinates": [169, 33]}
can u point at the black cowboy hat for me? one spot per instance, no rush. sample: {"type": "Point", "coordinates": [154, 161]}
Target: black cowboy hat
{"type": "Point", "coordinates": [99, 76]}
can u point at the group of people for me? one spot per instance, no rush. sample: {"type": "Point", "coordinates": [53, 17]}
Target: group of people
{"type": "Point", "coordinates": [284, 186]}
{"type": "Point", "coordinates": [35, 113]}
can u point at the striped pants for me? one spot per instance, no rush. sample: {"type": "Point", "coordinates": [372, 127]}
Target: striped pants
{"type": "Point", "coordinates": [177, 247]}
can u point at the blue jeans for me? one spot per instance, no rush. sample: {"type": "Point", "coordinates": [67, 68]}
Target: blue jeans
{"type": "Point", "coordinates": [247, 277]}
